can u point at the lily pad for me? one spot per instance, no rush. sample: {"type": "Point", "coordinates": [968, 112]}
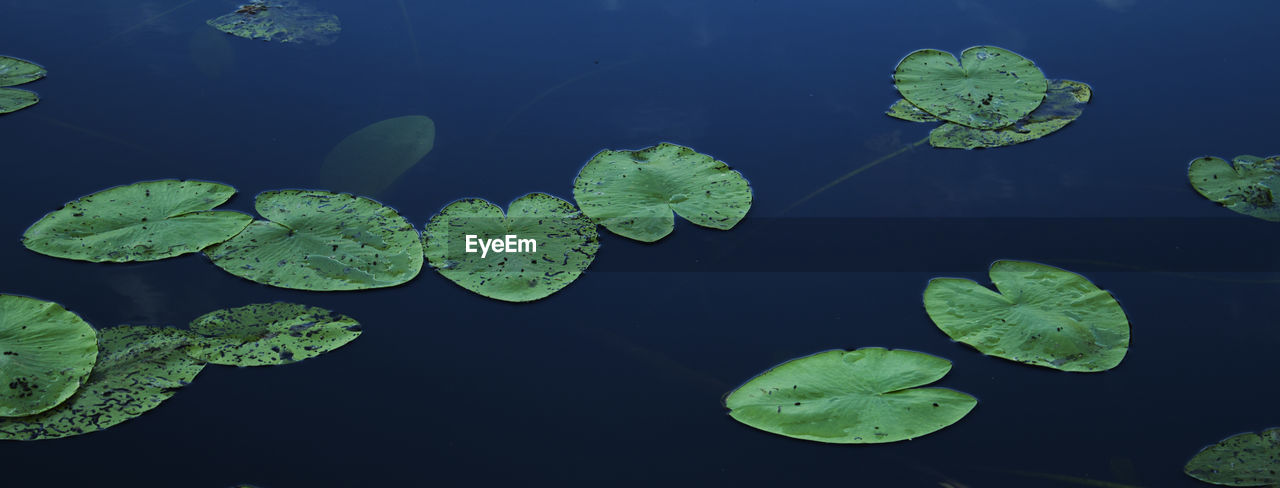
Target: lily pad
{"type": "Point", "coordinates": [566, 242]}
{"type": "Point", "coordinates": [633, 193]}
{"type": "Point", "coordinates": [1042, 315]}
{"type": "Point", "coordinates": [322, 241]}
{"type": "Point", "coordinates": [1247, 185]}
{"type": "Point", "coordinates": [904, 110]}
{"type": "Point", "coordinates": [1063, 103]}
{"type": "Point", "coordinates": [869, 395]}
{"type": "Point", "coordinates": [45, 353]}
{"type": "Point", "coordinates": [144, 221]}
{"type": "Point", "coordinates": [284, 21]}
{"type": "Point", "coordinates": [371, 159]}
{"type": "Point", "coordinates": [266, 334]}
{"type": "Point", "coordinates": [1247, 459]}
{"type": "Point", "coordinates": [137, 369]}
{"type": "Point", "coordinates": [13, 72]}
{"type": "Point", "coordinates": [988, 88]}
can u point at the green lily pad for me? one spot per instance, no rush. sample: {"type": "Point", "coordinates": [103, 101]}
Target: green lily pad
{"type": "Point", "coordinates": [565, 240]}
{"type": "Point", "coordinates": [865, 396]}
{"type": "Point", "coordinates": [987, 88]}
{"type": "Point", "coordinates": [1042, 315]}
{"type": "Point", "coordinates": [14, 71]}
{"type": "Point", "coordinates": [1247, 185]}
{"type": "Point", "coordinates": [45, 353]}
{"type": "Point", "coordinates": [1063, 103]}
{"type": "Point", "coordinates": [322, 241]}
{"type": "Point", "coordinates": [284, 21]}
{"type": "Point", "coordinates": [371, 159]}
{"type": "Point", "coordinates": [904, 110]}
{"type": "Point", "coordinates": [266, 334]}
{"type": "Point", "coordinates": [137, 369]}
{"type": "Point", "coordinates": [144, 221]}
{"type": "Point", "coordinates": [1248, 459]}
{"type": "Point", "coordinates": [633, 193]}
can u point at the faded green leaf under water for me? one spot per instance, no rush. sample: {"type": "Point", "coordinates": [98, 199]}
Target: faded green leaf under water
{"type": "Point", "coordinates": [45, 353]}
{"type": "Point", "coordinates": [1248, 459]}
{"type": "Point", "coordinates": [1247, 185]}
{"type": "Point", "coordinates": [371, 159]}
{"type": "Point", "coordinates": [266, 334]}
{"type": "Point", "coordinates": [987, 88]}
{"type": "Point", "coordinates": [1063, 103]}
{"type": "Point", "coordinates": [13, 72]}
{"type": "Point", "coordinates": [284, 21]}
{"type": "Point", "coordinates": [904, 110]}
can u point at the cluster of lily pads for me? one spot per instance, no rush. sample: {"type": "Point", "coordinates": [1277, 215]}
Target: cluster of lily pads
{"type": "Point", "coordinates": [14, 71]}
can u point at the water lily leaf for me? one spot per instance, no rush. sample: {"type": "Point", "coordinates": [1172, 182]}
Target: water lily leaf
{"type": "Point", "coordinates": [14, 71]}
{"type": "Point", "coordinates": [284, 21]}
{"type": "Point", "coordinates": [987, 88]}
{"type": "Point", "coordinates": [865, 396]}
{"type": "Point", "coordinates": [371, 159]}
{"type": "Point", "coordinates": [1247, 459]}
{"type": "Point", "coordinates": [1247, 185]}
{"type": "Point", "coordinates": [904, 110]}
{"type": "Point", "coordinates": [633, 193]}
{"type": "Point", "coordinates": [566, 242]}
{"type": "Point", "coordinates": [1042, 315]}
{"type": "Point", "coordinates": [1063, 103]}
{"type": "Point", "coordinates": [144, 221]}
{"type": "Point", "coordinates": [322, 241]}
{"type": "Point", "coordinates": [137, 369]}
{"type": "Point", "coordinates": [14, 99]}
{"type": "Point", "coordinates": [45, 353]}
{"type": "Point", "coordinates": [265, 334]}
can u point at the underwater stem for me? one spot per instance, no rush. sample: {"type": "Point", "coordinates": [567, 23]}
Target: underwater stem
{"type": "Point", "coordinates": [850, 174]}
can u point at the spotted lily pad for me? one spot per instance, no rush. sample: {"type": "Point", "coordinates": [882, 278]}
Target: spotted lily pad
{"type": "Point", "coordinates": [14, 71]}
{"type": "Point", "coordinates": [266, 334]}
{"type": "Point", "coordinates": [284, 21]}
{"type": "Point", "coordinates": [45, 353]}
{"type": "Point", "coordinates": [869, 395]}
{"type": "Point", "coordinates": [1247, 185]}
{"type": "Point", "coordinates": [322, 241]}
{"type": "Point", "coordinates": [633, 193]}
{"type": "Point", "coordinates": [988, 88]}
{"type": "Point", "coordinates": [137, 369]}
{"type": "Point", "coordinates": [1042, 315]}
{"type": "Point", "coordinates": [1063, 103]}
{"type": "Point", "coordinates": [553, 244]}
{"type": "Point", "coordinates": [1247, 459]}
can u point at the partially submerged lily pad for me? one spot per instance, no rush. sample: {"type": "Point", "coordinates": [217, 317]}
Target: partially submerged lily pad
{"type": "Point", "coordinates": [1063, 103]}
{"type": "Point", "coordinates": [322, 241]}
{"type": "Point", "coordinates": [371, 159]}
{"type": "Point", "coordinates": [988, 88]}
{"type": "Point", "coordinates": [137, 369]}
{"type": "Point", "coordinates": [144, 221]}
{"type": "Point", "coordinates": [1247, 185]}
{"type": "Point", "coordinates": [566, 242]}
{"type": "Point", "coordinates": [870, 395]}
{"type": "Point", "coordinates": [45, 353]}
{"type": "Point", "coordinates": [13, 72]}
{"type": "Point", "coordinates": [266, 334]}
{"type": "Point", "coordinates": [284, 21]}
{"type": "Point", "coordinates": [633, 193]}
{"type": "Point", "coordinates": [1247, 459]}
{"type": "Point", "coordinates": [1042, 315]}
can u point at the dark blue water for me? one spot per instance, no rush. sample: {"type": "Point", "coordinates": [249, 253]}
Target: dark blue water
{"type": "Point", "coordinates": [617, 379]}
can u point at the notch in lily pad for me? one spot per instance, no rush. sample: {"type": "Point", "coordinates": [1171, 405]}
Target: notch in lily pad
{"type": "Point", "coordinates": [268, 334]}
{"type": "Point", "coordinates": [1041, 315]}
{"type": "Point", "coordinates": [633, 193]}
{"type": "Point", "coordinates": [1246, 185]}
{"type": "Point", "coordinates": [13, 72]}
{"type": "Point", "coordinates": [1246, 459]}
{"type": "Point", "coordinates": [46, 352]}
{"type": "Point", "coordinates": [869, 395]}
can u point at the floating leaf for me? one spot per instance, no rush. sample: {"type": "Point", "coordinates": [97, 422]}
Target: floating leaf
{"type": "Point", "coordinates": [279, 21]}
{"type": "Point", "coordinates": [1247, 185]}
{"type": "Point", "coordinates": [371, 159]}
{"type": "Point", "coordinates": [565, 241]}
{"type": "Point", "coordinates": [137, 369]}
{"type": "Point", "coordinates": [632, 193]}
{"type": "Point", "coordinates": [317, 240]}
{"type": "Point", "coordinates": [144, 221]}
{"type": "Point", "coordinates": [1248, 459]}
{"type": "Point", "coordinates": [14, 71]}
{"type": "Point", "coordinates": [45, 353]}
{"type": "Point", "coordinates": [1042, 315]}
{"type": "Point", "coordinates": [864, 396]}
{"type": "Point", "coordinates": [1063, 103]}
{"type": "Point", "coordinates": [988, 88]}
{"type": "Point", "coordinates": [265, 334]}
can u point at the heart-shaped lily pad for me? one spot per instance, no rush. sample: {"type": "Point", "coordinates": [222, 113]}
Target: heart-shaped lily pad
{"type": "Point", "coordinates": [869, 395]}
{"type": "Point", "coordinates": [266, 334]}
{"type": "Point", "coordinates": [14, 71]}
{"type": "Point", "coordinates": [45, 353]}
{"type": "Point", "coordinates": [322, 241]}
{"type": "Point", "coordinates": [545, 243]}
{"type": "Point", "coordinates": [1248, 185]}
{"type": "Point", "coordinates": [1063, 103]}
{"type": "Point", "coordinates": [1247, 459]}
{"type": "Point", "coordinates": [987, 88]}
{"type": "Point", "coordinates": [1042, 315]}
{"type": "Point", "coordinates": [633, 193]}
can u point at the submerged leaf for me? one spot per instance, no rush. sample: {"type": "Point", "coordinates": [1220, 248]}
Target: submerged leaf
{"type": "Point", "coordinates": [371, 159]}
{"type": "Point", "coordinates": [266, 334]}
{"type": "Point", "coordinates": [1063, 103]}
{"type": "Point", "coordinates": [279, 21]}
{"type": "Point", "coordinates": [45, 353]}
{"type": "Point", "coordinates": [1248, 185]}
{"type": "Point", "coordinates": [987, 88]}
{"type": "Point", "coordinates": [904, 110]}
{"type": "Point", "coordinates": [1248, 459]}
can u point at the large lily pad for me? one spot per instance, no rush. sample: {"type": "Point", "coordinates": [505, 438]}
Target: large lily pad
{"type": "Point", "coordinates": [144, 221]}
{"type": "Point", "coordinates": [14, 71]}
{"type": "Point", "coordinates": [1063, 103]}
{"type": "Point", "coordinates": [1247, 185]}
{"type": "Point", "coordinates": [633, 193]}
{"type": "Point", "coordinates": [284, 21]}
{"type": "Point", "coordinates": [1042, 315]}
{"type": "Point", "coordinates": [566, 243]}
{"type": "Point", "coordinates": [371, 159]}
{"type": "Point", "coordinates": [1247, 459]}
{"type": "Point", "coordinates": [266, 334]}
{"type": "Point", "coordinates": [322, 241]}
{"type": "Point", "coordinates": [45, 353]}
{"type": "Point", "coordinates": [869, 395]}
{"type": "Point", "coordinates": [987, 88]}
{"type": "Point", "coordinates": [137, 369]}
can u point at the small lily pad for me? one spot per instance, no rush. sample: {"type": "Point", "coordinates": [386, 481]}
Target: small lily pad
{"type": "Point", "coordinates": [1247, 459]}
{"type": "Point", "coordinates": [1247, 185]}
{"type": "Point", "coordinates": [266, 334]}
{"type": "Point", "coordinates": [564, 240]}
{"type": "Point", "coordinates": [988, 88]}
{"type": "Point", "coordinates": [1042, 315]}
{"type": "Point", "coordinates": [869, 395]}
{"type": "Point", "coordinates": [633, 193]}
{"type": "Point", "coordinates": [1063, 103]}
{"type": "Point", "coordinates": [144, 221]}
{"type": "Point", "coordinates": [13, 72]}
{"type": "Point", "coordinates": [45, 353]}
{"type": "Point", "coordinates": [284, 21]}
